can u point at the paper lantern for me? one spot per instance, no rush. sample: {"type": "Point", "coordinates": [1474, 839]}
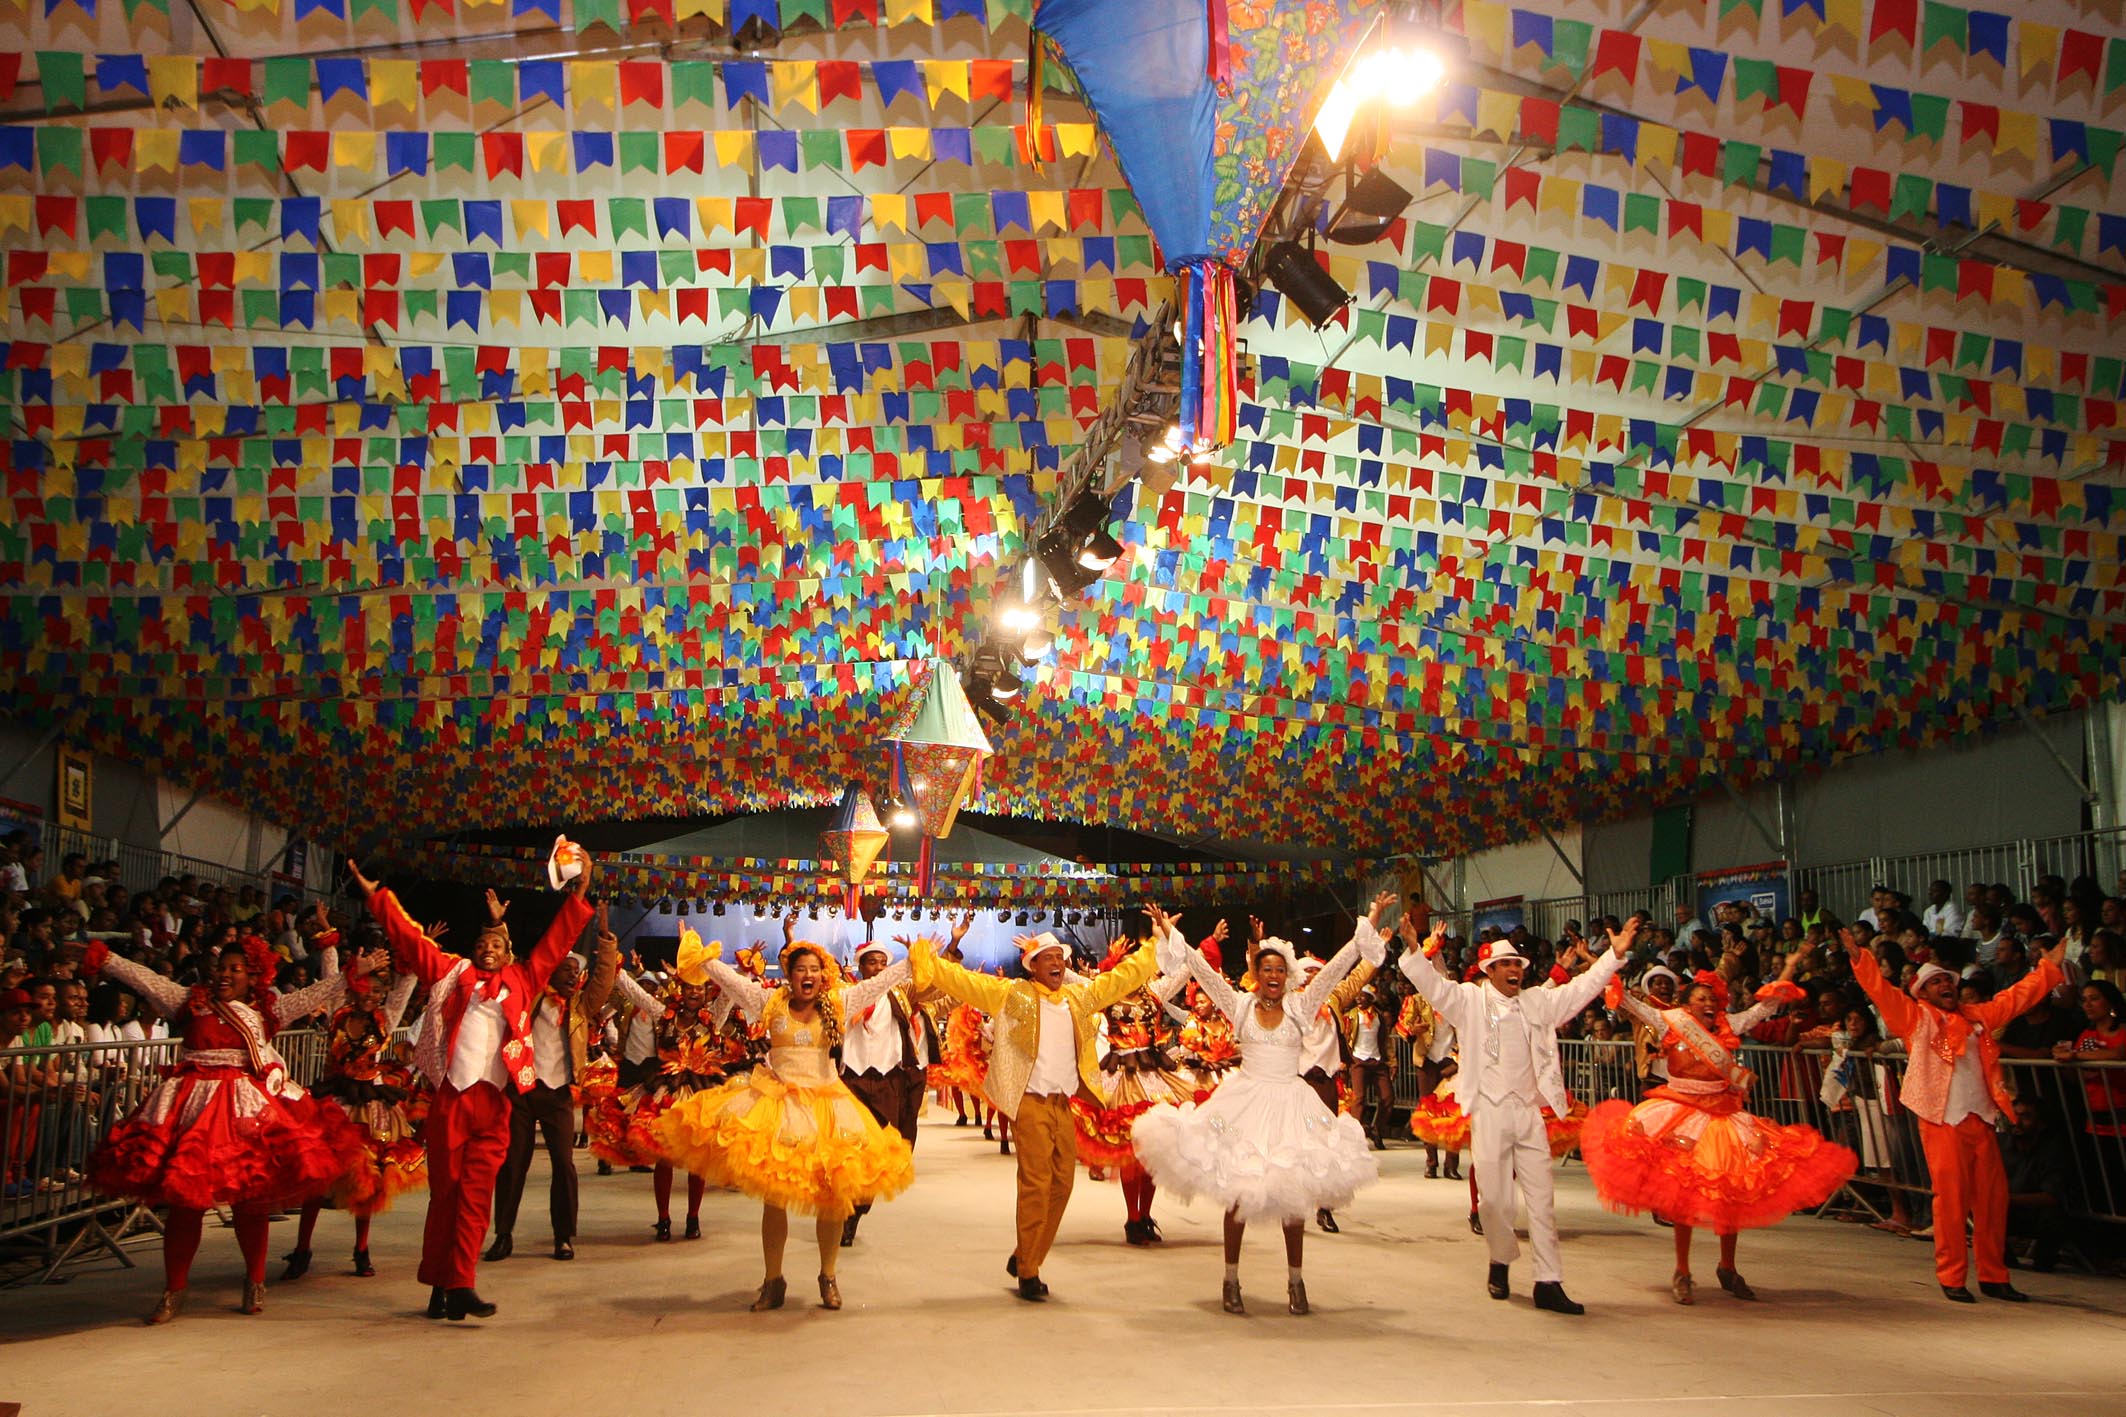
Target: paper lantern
{"type": "Point", "coordinates": [938, 748]}
{"type": "Point", "coordinates": [853, 843]}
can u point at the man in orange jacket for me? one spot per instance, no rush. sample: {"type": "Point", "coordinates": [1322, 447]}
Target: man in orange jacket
{"type": "Point", "coordinates": [1953, 1089]}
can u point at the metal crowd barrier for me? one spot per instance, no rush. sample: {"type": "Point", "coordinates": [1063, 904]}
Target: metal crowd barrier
{"type": "Point", "coordinates": [2071, 1143]}
{"type": "Point", "coordinates": [56, 1104]}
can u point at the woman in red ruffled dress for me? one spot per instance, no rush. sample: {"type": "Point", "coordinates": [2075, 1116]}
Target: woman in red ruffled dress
{"type": "Point", "coordinates": [376, 1091]}
{"type": "Point", "coordinates": [228, 1127]}
{"type": "Point", "coordinates": [1140, 1075]}
{"type": "Point", "coordinates": [1689, 1152]}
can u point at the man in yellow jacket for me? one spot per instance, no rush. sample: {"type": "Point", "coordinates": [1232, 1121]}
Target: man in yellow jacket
{"type": "Point", "coordinates": [1042, 1056]}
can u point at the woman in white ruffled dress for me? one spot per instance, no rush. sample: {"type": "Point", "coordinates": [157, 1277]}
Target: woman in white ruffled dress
{"type": "Point", "coordinates": [1264, 1146]}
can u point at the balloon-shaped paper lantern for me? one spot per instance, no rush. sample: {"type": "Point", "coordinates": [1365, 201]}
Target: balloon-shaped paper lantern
{"type": "Point", "coordinates": [853, 843]}
{"type": "Point", "coordinates": [938, 748]}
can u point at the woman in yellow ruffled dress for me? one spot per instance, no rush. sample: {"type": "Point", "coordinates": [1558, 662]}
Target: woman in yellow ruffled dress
{"type": "Point", "coordinates": [789, 1132]}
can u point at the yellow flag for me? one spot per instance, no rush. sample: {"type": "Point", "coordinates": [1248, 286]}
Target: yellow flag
{"type": "Point", "coordinates": [531, 218]}
{"type": "Point", "coordinates": [394, 84]}
{"type": "Point", "coordinates": [173, 81]}
{"type": "Point", "coordinates": [734, 147]}
{"type": "Point", "coordinates": [908, 143]}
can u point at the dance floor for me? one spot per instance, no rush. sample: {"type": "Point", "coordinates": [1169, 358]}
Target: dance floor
{"type": "Point", "coordinates": [1849, 1321]}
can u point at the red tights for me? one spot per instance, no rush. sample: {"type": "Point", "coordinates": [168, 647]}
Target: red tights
{"type": "Point", "coordinates": [661, 1182]}
{"type": "Point", "coordinates": [308, 1227]}
{"type": "Point", "coordinates": [1727, 1249]}
{"type": "Point", "coordinates": [180, 1242]}
{"type": "Point", "coordinates": [1137, 1192]}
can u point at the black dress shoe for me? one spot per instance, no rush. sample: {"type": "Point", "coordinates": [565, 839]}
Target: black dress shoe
{"type": "Point", "coordinates": [1432, 1170]}
{"type": "Point", "coordinates": [693, 1230]}
{"type": "Point", "coordinates": [298, 1265]}
{"type": "Point", "coordinates": [1495, 1282]}
{"type": "Point", "coordinates": [1550, 1295]}
{"type": "Point", "coordinates": [662, 1230]}
{"type": "Point", "coordinates": [438, 1302]}
{"type": "Point", "coordinates": [1011, 1267]}
{"type": "Point", "coordinates": [466, 1304]}
{"type": "Point", "coordinates": [1133, 1232]}
{"type": "Point", "coordinates": [1033, 1291]}
{"type": "Point", "coordinates": [1326, 1219]}
{"type": "Point", "coordinates": [1476, 1223]}
{"type": "Point", "coordinates": [2003, 1291]}
{"type": "Point", "coordinates": [362, 1266]}
{"type": "Point", "coordinates": [563, 1250]}
{"type": "Point", "coordinates": [1957, 1294]}
{"type": "Point", "coordinates": [1453, 1171]}
{"type": "Point", "coordinates": [500, 1250]}
{"type": "Point", "coordinates": [605, 1168]}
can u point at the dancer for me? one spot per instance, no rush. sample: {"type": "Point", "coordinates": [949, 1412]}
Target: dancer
{"type": "Point", "coordinates": [1043, 1055]}
{"type": "Point", "coordinates": [1690, 1151]}
{"type": "Point", "coordinates": [373, 1089]}
{"type": "Point", "coordinates": [883, 1056]}
{"type": "Point", "coordinates": [1322, 1050]}
{"type": "Point", "coordinates": [1139, 1075]}
{"type": "Point", "coordinates": [1508, 1070]}
{"type": "Point", "coordinates": [687, 1051]}
{"type": "Point", "coordinates": [1431, 1040]}
{"type": "Point", "coordinates": [227, 1127]}
{"type": "Point", "coordinates": [561, 1024]}
{"type": "Point", "coordinates": [1265, 1146]}
{"type": "Point", "coordinates": [1372, 1066]}
{"type": "Point", "coordinates": [789, 1133]}
{"type": "Point", "coordinates": [1952, 1088]}
{"type": "Point", "coordinates": [475, 1048]}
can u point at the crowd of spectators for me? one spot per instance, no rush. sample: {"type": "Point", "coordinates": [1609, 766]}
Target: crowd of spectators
{"type": "Point", "coordinates": [1837, 1069]}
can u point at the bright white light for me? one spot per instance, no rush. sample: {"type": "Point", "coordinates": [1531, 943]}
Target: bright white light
{"type": "Point", "coordinates": [902, 817]}
{"type": "Point", "coordinates": [1397, 77]}
{"type": "Point", "coordinates": [1175, 438]}
{"type": "Point", "coordinates": [1160, 454]}
{"type": "Point", "coordinates": [918, 782]}
{"type": "Point", "coordinates": [1092, 560]}
{"type": "Point", "coordinates": [1019, 617]}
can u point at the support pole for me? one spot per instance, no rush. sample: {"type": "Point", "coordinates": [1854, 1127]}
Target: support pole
{"type": "Point", "coordinates": [171, 825]}
{"type": "Point", "coordinates": [2066, 770]}
{"type": "Point", "coordinates": [51, 736]}
{"type": "Point", "coordinates": [1578, 879]}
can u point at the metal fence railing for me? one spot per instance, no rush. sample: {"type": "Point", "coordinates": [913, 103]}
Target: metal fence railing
{"type": "Point", "coordinates": [56, 1104]}
{"type": "Point", "coordinates": [143, 868]}
{"type": "Point", "coordinates": [2074, 1136]}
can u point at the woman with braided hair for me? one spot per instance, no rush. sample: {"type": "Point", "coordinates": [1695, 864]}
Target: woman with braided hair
{"type": "Point", "coordinates": [228, 1127]}
{"type": "Point", "coordinates": [789, 1132]}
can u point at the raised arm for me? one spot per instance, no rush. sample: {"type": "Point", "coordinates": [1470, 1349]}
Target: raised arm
{"type": "Point", "coordinates": [1224, 997]}
{"type": "Point", "coordinates": [605, 964]}
{"type": "Point", "coordinates": [1900, 1013]}
{"type": "Point", "coordinates": [560, 937]}
{"type": "Point", "coordinates": [983, 991]}
{"type": "Point", "coordinates": [1630, 1003]}
{"type": "Point", "coordinates": [1447, 998]}
{"type": "Point", "coordinates": [159, 992]}
{"type": "Point", "coordinates": [646, 1003]}
{"type": "Point", "coordinates": [312, 999]}
{"type": "Point", "coordinates": [412, 952]}
{"type": "Point", "coordinates": [396, 1001]}
{"type": "Point", "coordinates": [743, 993]}
{"type": "Point", "coordinates": [1125, 979]}
{"type": "Point", "coordinates": [2022, 996]}
{"type": "Point", "coordinates": [865, 992]}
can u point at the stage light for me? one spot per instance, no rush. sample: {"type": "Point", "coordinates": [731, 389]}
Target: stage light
{"type": "Point", "coordinates": [1004, 917]}
{"type": "Point", "coordinates": [815, 912]}
{"type": "Point", "coordinates": [1018, 617]}
{"type": "Point", "coordinates": [1099, 551]}
{"type": "Point", "coordinates": [1391, 73]}
{"type": "Point", "coordinates": [1039, 916]}
{"type": "Point", "coordinates": [1373, 206]}
{"type": "Point", "coordinates": [1058, 551]}
{"type": "Point", "coordinates": [1293, 270]}
{"type": "Point", "coordinates": [664, 905]}
{"type": "Point", "coordinates": [719, 907]}
{"type": "Point", "coordinates": [899, 813]}
{"type": "Point", "coordinates": [1038, 642]}
{"type": "Point", "coordinates": [1006, 686]}
{"type": "Point", "coordinates": [1022, 917]}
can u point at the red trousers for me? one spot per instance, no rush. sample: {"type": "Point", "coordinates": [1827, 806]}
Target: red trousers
{"type": "Point", "coordinates": [1969, 1183]}
{"type": "Point", "coordinates": [467, 1135]}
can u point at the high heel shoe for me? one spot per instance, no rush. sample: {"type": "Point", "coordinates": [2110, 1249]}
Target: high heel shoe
{"type": "Point", "coordinates": [254, 1298]}
{"type": "Point", "coordinates": [1295, 1297]}
{"type": "Point", "coordinates": [171, 1304]}
{"type": "Point", "coordinates": [298, 1265]}
{"type": "Point", "coordinates": [1734, 1283]}
{"type": "Point", "coordinates": [693, 1230]}
{"type": "Point", "coordinates": [1326, 1219]}
{"type": "Point", "coordinates": [362, 1267]}
{"type": "Point", "coordinates": [661, 1232]}
{"type": "Point", "coordinates": [771, 1295]}
{"type": "Point", "coordinates": [1230, 1298]}
{"type": "Point", "coordinates": [1679, 1285]}
{"type": "Point", "coordinates": [830, 1293]}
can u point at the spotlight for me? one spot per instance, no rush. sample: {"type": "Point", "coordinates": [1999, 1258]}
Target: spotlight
{"type": "Point", "coordinates": [1022, 917]}
{"type": "Point", "coordinates": [1038, 642]}
{"type": "Point", "coordinates": [1039, 916]}
{"type": "Point", "coordinates": [1007, 686]}
{"type": "Point", "coordinates": [1004, 917]}
{"type": "Point", "coordinates": [686, 907]}
{"type": "Point", "coordinates": [1099, 551]}
{"type": "Point", "coordinates": [1397, 74]}
{"type": "Point", "coordinates": [1370, 209]}
{"type": "Point", "coordinates": [701, 905]}
{"type": "Point", "coordinates": [815, 912]}
{"type": "Point", "coordinates": [664, 906]}
{"type": "Point", "coordinates": [1058, 551]}
{"type": "Point", "coordinates": [1293, 270]}
{"type": "Point", "coordinates": [902, 814]}
{"type": "Point", "coordinates": [1018, 617]}
{"type": "Point", "coordinates": [719, 907]}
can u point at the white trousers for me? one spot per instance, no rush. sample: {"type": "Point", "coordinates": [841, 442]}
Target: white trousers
{"type": "Point", "coordinates": [1509, 1148]}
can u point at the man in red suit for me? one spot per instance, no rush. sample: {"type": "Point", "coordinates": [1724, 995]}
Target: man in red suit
{"type": "Point", "coordinates": [476, 1049]}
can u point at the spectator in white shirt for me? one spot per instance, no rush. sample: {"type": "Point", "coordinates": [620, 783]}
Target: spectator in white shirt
{"type": "Point", "coordinates": [1943, 916]}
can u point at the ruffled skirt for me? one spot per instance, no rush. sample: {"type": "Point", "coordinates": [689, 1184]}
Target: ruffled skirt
{"type": "Point", "coordinates": [1716, 1167]}
{"type": "Point", "coordinates": [1438, 1120]}
{"type": "Point", "coordinates": [208, 1138]}
{"type": "Point", "coordinates": [812, 1148]}
{"type": "Point", "coordinates": [1104, 1133]}
{"type": "Point", "coordinates": [963, 1059]}
{"type": "Point", "coordinates": [392, 1160]}
{"type": "Point", "coordinates": [1260, 1148]}
{"type": "Point", "coordinates": [622, 1126]}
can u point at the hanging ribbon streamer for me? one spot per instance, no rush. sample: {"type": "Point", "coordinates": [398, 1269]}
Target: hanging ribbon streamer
{"type": "Point", "coordinates": [1218, 65]}
{"type": "Point", "coordinates": [1036, 80]}
{"type": "Point", "coordinates": [1209, 392]}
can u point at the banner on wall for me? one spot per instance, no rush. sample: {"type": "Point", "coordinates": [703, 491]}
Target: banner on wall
{"type": "Point", "coordinates": [1505, 915]}
{"type": "Point", "coordinates": [75, 783]}
{"type": "Point", "coordinates": [295, 862]}
{"type": "Point", "coordinates": [1765, 888]}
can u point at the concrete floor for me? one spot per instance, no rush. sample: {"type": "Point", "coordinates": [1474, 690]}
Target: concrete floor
{"type": "Point", "coordinates": [1850, 1322]}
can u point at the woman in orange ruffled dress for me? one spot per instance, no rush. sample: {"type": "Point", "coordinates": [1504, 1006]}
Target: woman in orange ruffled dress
{"type": "Point", "coordinates": [1689, 1152]}
{"type": "Point", "coordinates": [373, 1088]}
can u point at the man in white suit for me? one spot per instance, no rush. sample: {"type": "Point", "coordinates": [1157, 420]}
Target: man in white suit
{"type": "Point", "coordinates": [1509, 1071]}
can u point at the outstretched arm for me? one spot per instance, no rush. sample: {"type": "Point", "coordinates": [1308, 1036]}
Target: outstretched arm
{"type": "Point", "coordinates": [1586, 986]}
{"type": "Point", "coordinates": [646, 1003]}
{"type": "Point", "coordinates": [561, 936]}
{"type": "Point", "coordinates": [314, 998]}
{"type": "Point", "coordinates": [412, 951]}
{"type": "Point", "coordinates": [396, 1001]}
{"type": "Point", "coordinates": [605, 965]}
{"type": "Point", "coordinates": [1900, 1014]}
{"type": "Point", "coordinates": [865, 992]}
{"type": "Point", "coordinates": [743, 993]}
{"type": "Point", "coordinates": [159, 992]}
{"type": "Point", "coordinates": [985, 992]}
{"type": "Point", "coordinates": [1365, 940]}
